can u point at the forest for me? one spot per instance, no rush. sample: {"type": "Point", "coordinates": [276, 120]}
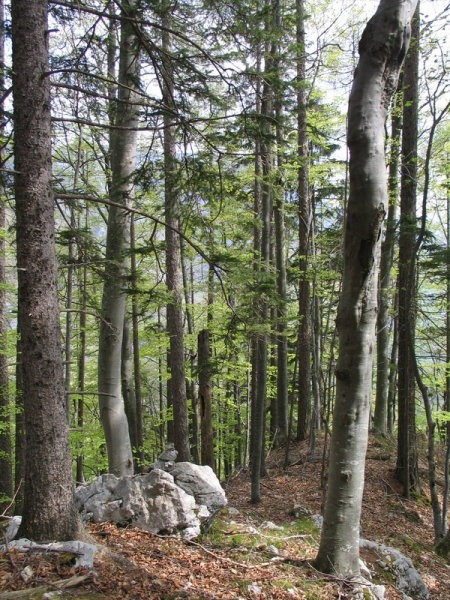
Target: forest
{"type": "Point", "coordinates": [224, 226]}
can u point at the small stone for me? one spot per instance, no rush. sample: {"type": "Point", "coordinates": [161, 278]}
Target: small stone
{"type": "Point", "coordinates": [255, 589]}
{"type": "Point", "coordinates": [233, 511]}
{"type": "Point", "coordinates": [27, 574]}
{"type": "Point", "coordinates": [271, 526]}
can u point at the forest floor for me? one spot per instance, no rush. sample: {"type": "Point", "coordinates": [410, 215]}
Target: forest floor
{"type": "Point", "coordinates": [261, 551]}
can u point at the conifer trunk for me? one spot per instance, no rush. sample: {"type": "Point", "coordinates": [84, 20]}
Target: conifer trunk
{"type": "Point", "coordinates": [6, 471]}
{"type": "Point", "coordinates": [49, 511]}
{"type": "Point", "coordinates": [176, 388]}
{"type": "Point", "coordinates": [304, 213]}
{"type": "Point", "coordinates": [380, 421]}
{"type": "Point", "coordinates": [407, 456]}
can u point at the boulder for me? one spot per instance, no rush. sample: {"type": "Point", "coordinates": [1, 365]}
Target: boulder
{"type": "Point", "coordinates": [152, 502]}
{"type": "Point", "coordinates": [408, 580]}
{"type": "Point", "coordinates": [166, 459]}
{"type": "Point", "coordinates": [201, 482]}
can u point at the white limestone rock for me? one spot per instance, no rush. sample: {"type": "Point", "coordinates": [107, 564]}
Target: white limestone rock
{"type": "Point", "coordinates": [152, 502]}
{"type": "Point", "coordinates": [408, 580]}
{"type": "Point", "coordinates": [201, 482]}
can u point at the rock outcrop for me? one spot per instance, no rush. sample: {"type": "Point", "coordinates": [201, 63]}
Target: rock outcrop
{"type": "Point", "coordinates": [162, 502]}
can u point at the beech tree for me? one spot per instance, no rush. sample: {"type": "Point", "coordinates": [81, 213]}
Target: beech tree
{"type": "Point", "coordinates": [49, 511]}
{"type": "Point", "coordinates": [123, 150]}
{"type": "Point", "coordinates": [382, 48]}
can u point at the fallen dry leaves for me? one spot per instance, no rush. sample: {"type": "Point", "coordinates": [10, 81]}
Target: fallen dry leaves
{"type": "Point", "coordinates": [238, 559]}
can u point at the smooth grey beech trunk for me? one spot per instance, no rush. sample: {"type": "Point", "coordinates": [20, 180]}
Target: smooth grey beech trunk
{"type": "Point", "coordinates": [382, 49]}
{"type": "Point", "coordinates": [49, 511]}
{"type": "Point", "coordinates": [123, 150]}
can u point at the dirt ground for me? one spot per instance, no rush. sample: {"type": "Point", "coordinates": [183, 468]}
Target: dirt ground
{"type": "Point", "coordinates": [259, 551]}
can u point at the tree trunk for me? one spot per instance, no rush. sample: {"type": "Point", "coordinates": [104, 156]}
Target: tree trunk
{"type": "Point", "coordinates": [123, 149]}
{"type": "Point", "coordinates": [380, 422]}
{"type": "Point", "coordinates": [205, 398]}
{"type": "Point", "coordinates": [128, 393]}
{"type": "Point", "coordinates": [446, 490]}
{"type": "Point", "coordinates": [49, 511]}
{"type": "Point", "coordinates": [261, 346]}
{"type": "Point", "coordinates": [188, 288]}
{"type": "Point", "coordinates": [257, 195]}
{"type": "Point", "coordinates": [81, 364]}
{"type": "Point", "coordinates": [6, 472]}
{"type": "Point", "coordinates": [382, 49]}
{"type": "Point", "coordinates": [407, 457]}
{"type": "Point", "coordinates": [176, 363]}
{"type": "Point", "coordinates": [304, 213]}
{"type": "Point", "coordinates": [19, 436]}
{"type": "Point", "coordinates": [139, 447]}
{"type": "Point", "coordinates": [443, 547]}
{"type": "Point", "coordinates": [392, 379]}
{"type": "Point", "coordinates": [280, 243]}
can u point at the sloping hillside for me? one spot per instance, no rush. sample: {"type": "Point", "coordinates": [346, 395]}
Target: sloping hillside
{"type": "Point", "coordinates": [259, 552]}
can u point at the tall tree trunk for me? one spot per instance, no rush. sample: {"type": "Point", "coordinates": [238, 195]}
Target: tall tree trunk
{"type": "Point", "coordinates": [6, 472]}
{"type": "Point", "coordinates": [446, 489]}
{"type": "Point", "coordinates": [392, 379]}
{"type": "Point", "coordinates": [190, 384]}
{"type": "Point", "coordinates": [81, 366]}
{"type": "Point", "coordinates": [382, 49]}
{"type": "Point", "coordinates": [261, 348]}
{"type": "Point", "coordinates": [407, 456]}
{"type": "Point", "coordinates": [257, 195]}
{"type": "Point", "coordinates": [69, 303]}
{"type": "Point", "coordinates": [19, 435]}
{"type": "Point", "coordinates": [205, 398]}
{"type": "Point", "coordinates": [123, 149]}
{"type": "Point", "coordinates": [127, 374]}
{"type": "Point", "coordinates": [49, 511]}
{"type": "Point", "coordinates": [305, 217]}
{"type": "Point", "coordinates": [176, 362]}
{"type": "Point", "coordinates": [280, 242]}
{"type": "Point", "coordinates": [139, 447]}
{"type": "Point", "coordinates": [380, 421]}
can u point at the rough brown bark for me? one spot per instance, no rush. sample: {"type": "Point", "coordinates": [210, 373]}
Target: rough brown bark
{"type": "Point", "coordinates": [205, 398]}
{"type": "Point", "coordinates": [176, 388]}
{"type": "Point", "coordinates": [305, 216]}
{"type": "Point", "coordinates": [49, 511]}
{"type": "Point", "coordinates": [380, 421]}
{"type": "Point", "coordinates": [6, 473]}
{"type": "Point", "coordinates": [407, 455]}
